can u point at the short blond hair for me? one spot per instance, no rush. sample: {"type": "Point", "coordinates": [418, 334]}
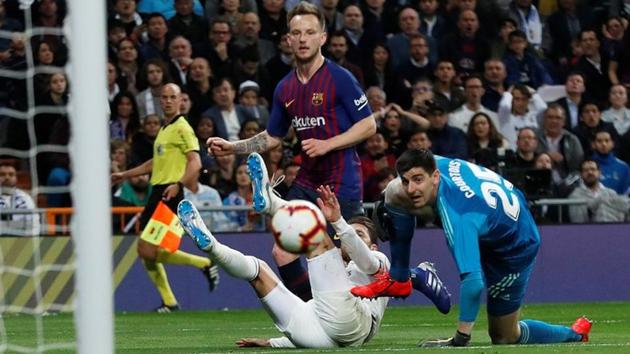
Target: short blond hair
{"type": "Point", "coordinates": [306, 8]}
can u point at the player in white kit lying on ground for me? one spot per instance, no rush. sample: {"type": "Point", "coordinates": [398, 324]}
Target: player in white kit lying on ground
{"type": "Point", "coordinates": [333, 318]}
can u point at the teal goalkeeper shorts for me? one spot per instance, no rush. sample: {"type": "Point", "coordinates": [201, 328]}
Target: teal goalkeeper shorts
{"type": "Point", "coordinates": [505, 290]}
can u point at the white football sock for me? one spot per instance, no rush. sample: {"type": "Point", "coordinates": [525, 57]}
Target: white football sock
{"type": "Point", "coordinates": [234, 262]}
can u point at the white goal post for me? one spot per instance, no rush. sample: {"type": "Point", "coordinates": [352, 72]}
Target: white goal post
{"type": "Point", "coordinates": [89, 151]}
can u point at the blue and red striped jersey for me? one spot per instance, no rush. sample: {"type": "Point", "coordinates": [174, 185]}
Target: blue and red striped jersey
{"type": "Point", "coordinates": [327, 105]}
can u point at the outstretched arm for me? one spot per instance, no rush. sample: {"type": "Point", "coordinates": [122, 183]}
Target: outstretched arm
{"type": "Point", "coordinates": [357, 249]}
{"type": "Point", "coordinates": [461, 233]}
{"type": "Point", "coordinates": [260, 142]}
{"type": "Point", "coordinates": [280, 342]}
{"type": "Point", "coordinates": [252, 342]}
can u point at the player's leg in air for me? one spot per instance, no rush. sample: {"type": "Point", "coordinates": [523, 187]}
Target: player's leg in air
{"type": "Point", "coordinates": [153, 257]}
{"type": "Point", "coordinates": [291, 315]}
{"type": "Point", "coordinates": [292, 272]}
{"type": "Point", "coordinates": [266, 201]}
{"type": "Point", "coordinates": [290, 266]}
{"type": "Point", "coordinates": [401, 227]}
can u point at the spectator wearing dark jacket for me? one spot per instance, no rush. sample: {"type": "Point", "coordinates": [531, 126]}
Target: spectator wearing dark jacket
{"type": "Point", "coordinates": [494, 75]}
{"type": "Point", "coordinates": [590, 124]}
{"type": "Point", "coordinates": [418, 64]}
{"type": "Point", "coordinates": [219, 50]}
{"type": "Point", "coordinates": [562, 146]}
{"type": "Point", "coordinates": [466, 48]}
{"type": "Point", "coordinates": [594, 65]}
{"type": "Point", "coordinates": [523, 67]}
{"type": "Point", "coordinates": [142, 141]}
{"type": "Point", "coordinates": [282, 63]}
{"type": "Point", "coordinates": [444, 89]}
{"type": "Point", "coordinates": [273, 20]}
{"type": "Point", "coordinates": [338, 49]}
{"type": "Point", "coordinates": [188, 24]}
{"type": "Point", "coordinates": [157, 45]}
{"type": "Point", "coordinates": [379, 72]}
{"type": "Point", "coordinates": [563, 26]}
{"type": "Point", "coordinates": [360, 39]}
{"type": "Point", "coordinates": [487, 11]}
{"type": "Point", "coordinates": [446, 140]}
{"type": "Point", "coordinates": [575, 93]}
{"type": "Point", "coordinates": [226, 116]}
{"type": "Point", "coordinates": [432, 23]}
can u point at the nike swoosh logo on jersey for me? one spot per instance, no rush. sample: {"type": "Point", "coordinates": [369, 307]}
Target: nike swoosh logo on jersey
{"type": "Point", "coordinates": [287, 104]}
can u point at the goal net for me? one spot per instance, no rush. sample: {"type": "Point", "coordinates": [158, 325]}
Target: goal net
{"type": "Point", "coordinates": [55, 219]}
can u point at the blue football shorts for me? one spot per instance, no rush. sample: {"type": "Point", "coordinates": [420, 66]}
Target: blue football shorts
{"type": "Point", "coordinates": [505, 289]}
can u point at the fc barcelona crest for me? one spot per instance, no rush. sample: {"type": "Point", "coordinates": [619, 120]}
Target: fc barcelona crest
{"type": "Point", "coordinates": [318, 98]}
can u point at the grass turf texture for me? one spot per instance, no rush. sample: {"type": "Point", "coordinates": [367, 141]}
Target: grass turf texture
{"type": "Point", "coordinates": [402, 329]}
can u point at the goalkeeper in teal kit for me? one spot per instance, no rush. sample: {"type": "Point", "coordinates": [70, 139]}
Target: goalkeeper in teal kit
{"type": "Point", "coordinates": [491, 235]}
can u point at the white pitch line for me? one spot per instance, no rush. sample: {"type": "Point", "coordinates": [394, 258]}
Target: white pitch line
{"type": "Point", "coordinates": [416, 349]}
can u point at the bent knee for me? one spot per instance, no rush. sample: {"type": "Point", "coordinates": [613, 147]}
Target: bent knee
{"type": "Point", "coordinates": [265, 280]}
{"type": "Point", "coordinates": [263, 267]}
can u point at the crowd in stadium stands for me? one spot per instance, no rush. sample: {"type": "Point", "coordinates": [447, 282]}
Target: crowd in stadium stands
{"type": "Point", "coordinates": [535, 90]}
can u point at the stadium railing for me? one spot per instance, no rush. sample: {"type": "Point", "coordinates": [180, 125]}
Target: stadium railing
{"type": "Point", "coordinates": [56, 221]}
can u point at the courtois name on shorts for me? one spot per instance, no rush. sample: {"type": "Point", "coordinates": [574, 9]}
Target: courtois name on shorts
{"type": "Point", "coordinates": [301, 123]}
{"type": "Point", "coordinates": [361, 102]}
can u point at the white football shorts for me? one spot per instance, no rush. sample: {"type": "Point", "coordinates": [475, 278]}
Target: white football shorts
{"type": "Point", "coordinates": [332, 318]}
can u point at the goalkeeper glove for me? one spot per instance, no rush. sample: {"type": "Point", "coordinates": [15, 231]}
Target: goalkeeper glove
{"type": "Point", "coordinates": [382, 220]}
{"type": "Point", "coordinates": [458, 340]}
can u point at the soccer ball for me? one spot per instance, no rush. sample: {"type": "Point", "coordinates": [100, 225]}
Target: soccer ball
{"type": "Point", "coordinates": [298, 227]}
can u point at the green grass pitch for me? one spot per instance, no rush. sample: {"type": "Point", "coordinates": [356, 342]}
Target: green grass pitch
{"type": "Point", "coordinates": [402, 329]}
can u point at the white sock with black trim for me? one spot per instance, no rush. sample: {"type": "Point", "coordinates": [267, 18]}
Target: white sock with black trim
{"type": "Point", "coordinates": [234, 262]}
